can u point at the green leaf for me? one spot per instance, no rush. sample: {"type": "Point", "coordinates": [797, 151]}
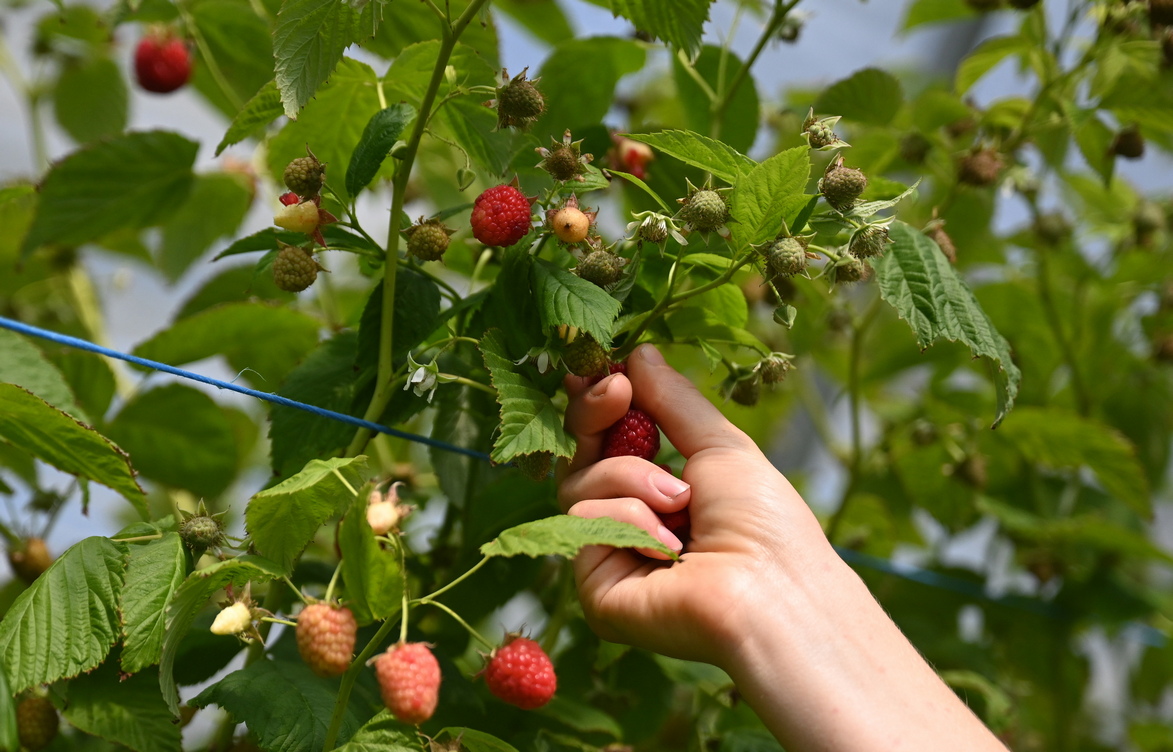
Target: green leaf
{"type": "Point", "coordinates": [54, 437]}
{"type": "Point", "coordinates": [154, 573]}
{"type": "Point", "coordinates": [127, 711]}
{"type": "Point", "coordinates": [268, 239]}
{"type": "Point", "coordinates": [771, 193]}
{"type": "Point", "coordinates": [1061, 439]}
{"type": "Point", "coordinates": [710, 155]}
{"type": "Point", "coordinates": [922, 12]}
{"type": "Point", "coordinates": [575, 101]}
{"type": "Point", "coordinates": [582, 717]}
{"type": "Point", "coordinates": [1094, 140]}
{"type": "Point", "coordinates": [66, 622]}
{"type": "Point", "coordinates": [999, 707]}
{"type": "Point", "coordinates": [678, 22]}
{"type": "Point", "coordinates": [565, 298]}
{"type": "Point", "coordinates": [417, 314]}
{"type": "Point", "coordinates": [986, 57]}
{"type": "Point", "coordinates": [21, 363]}
{"type": "Point", "coordinates": [870, 96]}
{"type": "Point", "coordinates": [90, 101]}
{"type": "Point", "coordinates": [9, 733]}
{"type": "Point", "coordinates": [240, 43]}
{"type": "Point", "coordinates": [529, 421]}
{"type": "Point", "coordinates": [476, 741]}
{"type": "Point", "coordinates": [695, 323]}
{"type": "Point", "coordinates": [282, 520]}
{"type": "Point", "coordinates": [380, 134]}
{"type": "Point", "coordinates": [283, 704]}
{"type": "Point", "coordinates": [545, 20]}
{"type": "Point", "coordinates": [190, 599]}
{"type": "Point", "coordinates": [308, 42]}
{"type": "Point", "coordinates": [264, 107]}
{"type": "Point", "coordinates": [718, 67]}
{"type": "Point", "coordinates": [90, 379]}
{"type": "Point", "coordinates": [215, 209]}
{"type": "Point", "coordinates": [374, 582]}
{"type": "Point", "coordinates": [920, 283]}
{"type": "Point", "coordinates": [383, 733]}
{"type": "Point", "coordinates": [564, 535]}
{"type": "Point", "coordinates": [179, 437]}
{"type": "Point", "coordinates": [267, 340]}
{"type": "Point", "coordinates": [131, 181]}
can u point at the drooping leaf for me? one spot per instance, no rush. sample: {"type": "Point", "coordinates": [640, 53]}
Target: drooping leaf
{"type": "Point", "coordinates": [154, 573]}
{"type": "Point", "coordinates": [308, 43]}
{"type": "Point", "coordinates": [130, 181]}
{"type": "Point", "coordinates": [564, 535]}
{"type": "Point", "coordinates": [768, 195]}
{"type": "Point", "coordinates": [545, 20]}
{"type": "Point", "coordinates": [21, 363]}
{"type": "Point", "coordinates": [567, 299]}
{"type": "Point", "coordinates": [678, 22]}
{"type": "Point", "coordinates": [129, 711]}
{"type": "Point", "coordinates": [725, 162]}
{"type": "Point", "coordinates": [90, 100]}
{"type": "Point", "coordinates": [283, 519]}
{"type": "Point", "coordinates": [379, 135]}
{"type": "Point", "coordinates": [370, 572]}
{"type": "Point", "coordinates": [264, 107]}
{"type": "Point", "coordinates": [529, 421]}
{"type": "Point", "coordinates": [870, 96]}
{"type": "Point", "coordinates": [66, 622]}
{"type": "Point", "coordinates": [54, 437]}
{"type": "Point", "coordinates": [920, 283]}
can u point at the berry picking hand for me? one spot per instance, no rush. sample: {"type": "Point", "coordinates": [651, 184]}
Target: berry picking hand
{"type": "Point", "coordinates": [760, 592]}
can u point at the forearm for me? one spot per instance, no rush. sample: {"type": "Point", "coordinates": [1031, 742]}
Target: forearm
{"type": "Point", "coordinates": [826, 669]}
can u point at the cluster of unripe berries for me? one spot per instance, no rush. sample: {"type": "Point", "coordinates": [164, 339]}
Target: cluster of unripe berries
{"type": "Point", "coordinates": [295, 268]}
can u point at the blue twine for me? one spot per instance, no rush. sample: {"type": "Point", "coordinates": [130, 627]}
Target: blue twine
{"type": "Point", "coordinates": [929, 578]}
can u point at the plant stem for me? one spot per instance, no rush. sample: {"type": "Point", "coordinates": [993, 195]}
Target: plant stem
{"type": "Point", "coordinates": [468, 627]}
{"type": "Point", "coordinates": [348, 680]}
{"type": "Point", "coordinates": [138, 538]}
{"type": "Point", "coordinates": [458, 580]}
{"type": "Point", "coordinates": [213, 67]}
{"type": "Point", "coordinates": [721, 104]}
{"type": "Point", "coordinates": [1043, 278]}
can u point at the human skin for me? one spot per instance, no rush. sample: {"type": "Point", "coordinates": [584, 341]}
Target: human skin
{"type": "Point", "coordinates": [760, 593]}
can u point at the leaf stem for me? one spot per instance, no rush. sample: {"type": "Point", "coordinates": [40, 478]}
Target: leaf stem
{"type": "Point", "coordinates": [468, 627]}
{"type": "Point", "coordinates": [781, 10]}
{"type": "Point", "coordinates": [475, 385]}
{"type": "Point", "coordinates": [138, 538]}
{"type": "Point", "coordinates": [458, 580]}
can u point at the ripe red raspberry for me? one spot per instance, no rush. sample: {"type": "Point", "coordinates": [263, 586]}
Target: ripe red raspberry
{"type": "Point", "coordinates": [325, 638]}
{"type": "Point", "coordinates": [36, 723]}
{"type": "Point", "coordinates": [501, 216]}
{"type": "Point", "coordinates": [409, 680]}
{"type": "Point", "coordinates": [162, 63]}
{"type": "Point", "coordinates": [633, 435]}
{"type": "Point", "coordinates": [521, 674]}
{"type": "Point", "coordinates": [289, 198]}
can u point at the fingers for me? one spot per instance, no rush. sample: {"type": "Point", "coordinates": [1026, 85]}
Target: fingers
{"type": "Point", "coordinates": [688, 419]}
{"type": "Point", "coordinates": [591, 411]}
{"type": "Point", "coordinates": [633, 511]}
{"type": "Point", "coordinates": [625, 476]}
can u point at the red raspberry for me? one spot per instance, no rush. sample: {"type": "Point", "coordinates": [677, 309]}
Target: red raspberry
{"type": "Point", "coordinates": [678, 522]}
{"type": "Point", "coordinates": [289, 198]}
{"type": "Point", "coordinates": [613, 368]}
{"type": "Point", "coordinates": [325, 638]}
{"type": "Point", "coordinates": [409, 680]}
{"type": "Point", "coordinates": [36, 723]}
{"type": "Point", "coordinates": [521, 674]}
{"type": "Point", "coordinates": [162, 63]}
{"type": "Point", "coordinates": [633, 435]}
{"type": "Point", "coordinates": [501, 216]}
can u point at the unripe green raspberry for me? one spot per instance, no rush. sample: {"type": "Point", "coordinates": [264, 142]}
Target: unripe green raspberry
{"type": "Point", "coordinates": [980, 168]}
{"type": "Point", "coordinates": [841, 186]}
{"type": "Point", "coordinates": [233, 619]}
{"type": "Point", "coordinates": [869, 241]}
{"type": "Point", "coordinates": [603, 268]}
{"type": "Point", "coordinates": [304, 176]}
{"type": "Point", "coordinates": [535, 466]}
{"type": "Point", "coordinates": [36, 723]}
{"type": "Point", "coordinates": [585, 357]}
{"type": "Point", "coordinates": [519, 103]}
{"type": "Point", "coordinates": [706, 210]}
{"type": "Point", "coordinates": [785, 258]}
{"type": "Point", "coordinates": [428, 240]}
{"type": "Point", "coordinates": [202, 531]}
{"type": "Point", "coordinates": [747, 391]}
{"type": "Point", "coordinates": [294, 269]}
{"type": "Point", "coordinates": [938, 235]}
{"type": "Point", "coordinates": [773, 369]}
{"type": "Point", "coordinates": [850, 269]}
{"type": "Point", "coordinates": [820, 135]}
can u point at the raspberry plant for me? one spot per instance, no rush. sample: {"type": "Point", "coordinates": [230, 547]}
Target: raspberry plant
{"type": "Point", "coordinates": [779, 247]}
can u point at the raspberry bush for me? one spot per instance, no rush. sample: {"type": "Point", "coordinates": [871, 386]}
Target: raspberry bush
{"type": "Point", "coordinates": [867, 274]}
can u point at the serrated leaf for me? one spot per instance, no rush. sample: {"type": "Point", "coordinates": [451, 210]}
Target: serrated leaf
{"type": "Point", "coordinates": [768, 195]}
{"type": "Point", "coordinates": [870, 208]}
{"type": "Point", "coordinates": [920, 283]}
{"type": "Point", "coordinates": [129, 712]}
{"type": "Point", "coordinates": [21, 363]}
{"type": "Point", "coordinates": [154, 573]}
{"type": "Point", "coordinates": [374, 582]}
{"type": "Point", "coordinates": [564, 535]}
{"type": "Point", "coordinates": [1062, 439]}
{"type": "Point", "coordinates": [565, 298]}
{"type": "Point", "coordinates": [58, 439]}
{"type": "Point", "coordinates": [283, 519]}
{"type": "Point", "coordinates": [529, 421]}
{"type": "Point", "coordinates": [190, 599]}
{"type": "Point", "coordinates": [90, 100]}
{"type": "Point", "coordinates": [416, 315]}
{"type": "Point", "coordinates": [985, 58]}
{"type": "Point", "coordinates": [66, 622]}
{"type": "Point", "coordinates": [870, 96]}
{"type": "Point", "coordinates": [379, 135]}
{"type": "Point", "coordinates": [283, 703]}
{"type": "Point", "coordinates": [308, 43]}
{"type": "Point", "coordinates": [476, 741]}
{"type": "Point", "coordinates": [268, 239]}
{"type": "Point", "coordinates": [702, 325]}
{"type": "Point", "coordinates": [383, 733]}
{"type": "Point", "coordinates": [264, 107]}
{"type": "Point", "coordinates": [131, 181]}
{"type": "Point", "coordinates": [721, 160]}
{"type": "Point", "coordinates": [678, 22]}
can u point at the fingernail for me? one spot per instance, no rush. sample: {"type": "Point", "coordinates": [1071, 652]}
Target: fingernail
{"type": "Point", "coordinates": [669, 485]}
{"type": "Point", "coordinates": [598, 390]}
{"type": "Point", "coordinates": [666, 537]}
{"type": "Point", "coordinates": [651, 354]}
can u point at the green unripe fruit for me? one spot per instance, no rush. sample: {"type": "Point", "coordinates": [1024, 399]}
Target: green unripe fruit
{"type": "Point", "coordinates": [535, 466]}
{"type": "Point", "coordinates": [586, 357]}
{"type": "Point", "coordinates": [785, 258]}
{"type": "Point", "coordinates": [841, 186]}
{"type": "Point", "coordinates": [747, 391]}
{"type": "Point", "coordinates": [869, 241]}
{"type": "Point", "coordinates": [304, 176]}
{"type": "Point", "coordinates": [705, 210]}
{"type": "Point", "coordinates": [603, 268]}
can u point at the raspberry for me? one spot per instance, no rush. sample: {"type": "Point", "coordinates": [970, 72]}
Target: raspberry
{"type": "Point", "coordinates": [1129, 143]}
{"type": "Point", "coordinates": [428, 240]}
{"type": "Point", "coordinates": [705, 210]}
{"type": "Point", "coordinates": [202, 530]}
{"type": "Point", "coordinates": [30, 562]}
{"type": "Point", "coordinates": [914, 147]}
{"type": "Point", "coordinates": [235, 618]}
{"type": "Point", "coordinates": [678, 522]}
{"type": "Point", "coordinates": [304, 217]}
{"type": "Point", "coordinates": [869, 241]}
{"type": "Point", "coordinates": [938, 235]}
{"type": "Point", "coordinates": [630, 156]}
{"type": "Point", "coordinates": [519, 103]}
{"type": "Point", "coordinates": [304, 176]}
{"type": "Point", "coordinates": [36, 723]}
{"type": "Point", "coordinates": [633, 435]}
{"type": "Point", "coordinates": [980, 168]}
{"type": "Point", "coordinates": [570, 224]}
{"type": "Point", "coordinates": [294, 269]}
{"type": "Point", "coordinates": [501, 216]}
{"type": "Point", "coordinates": [841, 186]}
{"type": "Point", "coordinates": [850, 269]}
{"type": "Point", "coordinates": [325, 638]}
{"type": "Point", "coordinates": [746, 391]}
{"type": "Point", "coordinates": [585, 357]}
{"type": "Point", "coordinates": [613, 368]}
{"type": "Point", "coordinates": [535, 466]}
{"type": "Point", "coordinates": [773, 369]}
{"type": "Point", "coordinates": [162, 62]}
{"type": "Point", "coordinates": [409, 680]}
{"type": "Point", "coordinates": [521, 674]}
{"type": "Point", "coordinates": [820, 135]}
{"type": "Point", "coordinates": [565, 161]}
{"type": "Point", "coordinates": [1052, 228]}
{"type": "Point", "coordinates": [601, 267]}
{"type": "Point", "coordinates": [289, 199]}
{"type": "Point", "coordinates": [786, 257]}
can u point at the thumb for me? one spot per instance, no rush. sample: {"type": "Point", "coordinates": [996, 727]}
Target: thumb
{"type": "Point", "coordinates": [688, 419]}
